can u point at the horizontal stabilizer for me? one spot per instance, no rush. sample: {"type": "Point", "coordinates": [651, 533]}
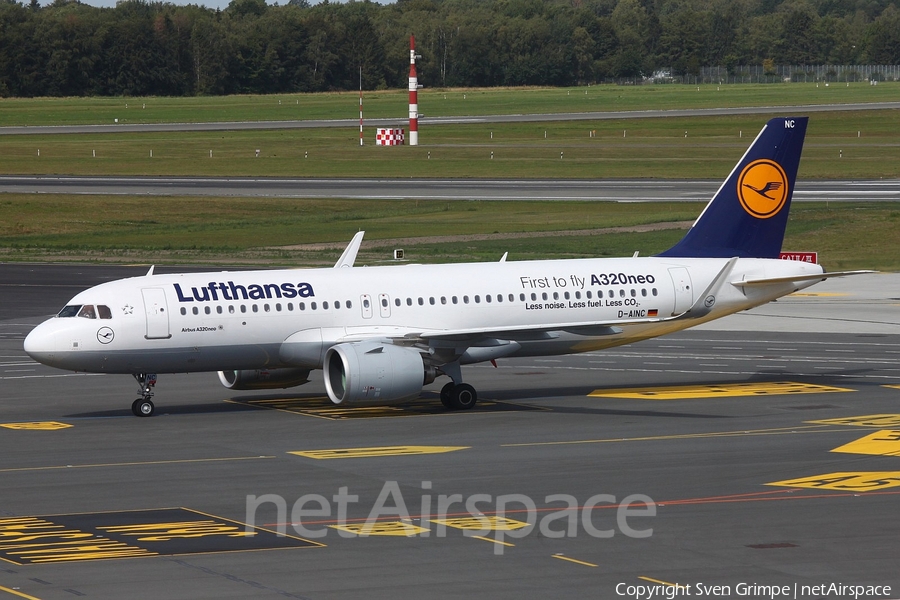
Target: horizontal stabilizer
{"type": "Point", "coordinates": [814, 277]}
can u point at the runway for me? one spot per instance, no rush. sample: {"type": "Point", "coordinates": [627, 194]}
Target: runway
{"type": "Point", "coordinates": [634, 190]}
{"type": "Point", "coordinates": [425, 121]}
{"type": "Point", "coordinates": [757, 449]}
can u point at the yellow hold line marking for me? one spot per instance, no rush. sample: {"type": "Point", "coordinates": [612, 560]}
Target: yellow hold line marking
{"type": "Point", "coordinates": [19, 594]}
{"type": "Point", "coordinates": [726, 390]}
{"type": "Point", "coordinates": [896, 387]}
{"type": "Point", "coordinates": [134, 464]}
{"type": "Point", "coordinates": [881, 443]}
{"type": "Point", "coordinates": [876, 421]}
{"type": "Point", "coordinates": [819, 294]}
{"type": "Point", "coordinates": [847, 481]}
{"type": "Point", "coordinates": [482, 523]}
{"type": "Point", "coordinates": [573, 560]}
{"type": "Point", "coordinates": [818, 428]}
{"type": "Point", "coordinates": [376, 451]}
{"type": "Point", "coordinates": [487, 539]}
{"type": "Point", "coordinates": [37, 426]}
{"type": "Point", "coordinates": [651, 580]}
{"type": "Point", "coordinates": [391, 528]}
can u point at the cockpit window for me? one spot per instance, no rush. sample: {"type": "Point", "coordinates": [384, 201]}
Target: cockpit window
{"type": "Point", "coordinates": [104, 312]}
{"type": "Point", "coordinates": [69, 311]}
{"type": "Point", "coordinates": [87, 311]}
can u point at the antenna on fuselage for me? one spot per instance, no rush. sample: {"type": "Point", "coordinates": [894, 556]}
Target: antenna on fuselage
{"type": "Point", "coordinates": [150, 272]}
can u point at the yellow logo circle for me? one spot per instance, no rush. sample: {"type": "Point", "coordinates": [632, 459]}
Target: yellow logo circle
{"type": "Point", "coordinates": [762, 188]}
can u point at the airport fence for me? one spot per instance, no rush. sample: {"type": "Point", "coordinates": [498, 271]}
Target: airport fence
{"type": "Point", "coordinates": [774, 74]}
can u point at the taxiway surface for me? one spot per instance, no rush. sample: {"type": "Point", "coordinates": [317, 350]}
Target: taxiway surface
{"type": "Point", "coordinates": [626, 190]}
{"type": "Point", "coordinates": [794, 482]}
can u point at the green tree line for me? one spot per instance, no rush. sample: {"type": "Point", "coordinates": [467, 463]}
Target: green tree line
{"type": "Point", "coordinates": [156, 48]}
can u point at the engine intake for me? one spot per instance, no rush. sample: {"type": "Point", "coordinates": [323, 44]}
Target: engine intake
{"type": "Point", "coordinates": [373, 373]}
{"type": "Point", "coordinates": [263, 379]}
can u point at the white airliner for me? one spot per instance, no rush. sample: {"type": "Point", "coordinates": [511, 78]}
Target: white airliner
{"type": "Point", "coordinates": [382, 333]}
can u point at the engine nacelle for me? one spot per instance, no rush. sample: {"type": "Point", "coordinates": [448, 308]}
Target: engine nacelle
{"type": "Point", "coordinates": [263, 379]}
{"type": "Point", "coordinates": [373, 373]}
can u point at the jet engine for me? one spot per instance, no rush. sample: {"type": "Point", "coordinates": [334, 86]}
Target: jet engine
{"type": "Point", "coordinates": [373, 373]}
{"type": "Point", "coordinates": [263, 379]}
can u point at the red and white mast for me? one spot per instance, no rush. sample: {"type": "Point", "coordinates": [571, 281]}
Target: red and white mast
{"type": "Point", "coordinates": [413, 95]}
{"type": "Point", "coordinates": [360, 108]}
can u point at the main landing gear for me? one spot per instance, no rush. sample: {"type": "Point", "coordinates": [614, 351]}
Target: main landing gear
{"type": "Point", "coordinates": [143, 406]}
{"type": "Point", "coordinates": [460, 396]}
{"type": "Point", "coordinates": [457, 395]}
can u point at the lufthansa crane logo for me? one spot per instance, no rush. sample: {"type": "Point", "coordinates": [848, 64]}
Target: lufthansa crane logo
{"type": "Point", "coordinates": [762, 188]}
{"type": "Point", "coordinates": [105, 335]}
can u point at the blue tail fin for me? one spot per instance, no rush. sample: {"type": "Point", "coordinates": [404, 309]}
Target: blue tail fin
{"type": "Point", "coordinates": [748, 214]}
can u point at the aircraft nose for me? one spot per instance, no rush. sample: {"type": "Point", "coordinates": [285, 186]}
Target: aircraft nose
{"type": "Point", "coordinates": [40, 343]}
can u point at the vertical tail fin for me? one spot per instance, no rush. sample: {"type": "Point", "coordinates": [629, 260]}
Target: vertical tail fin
{"type": "Point", "coordinates": [748, 214]}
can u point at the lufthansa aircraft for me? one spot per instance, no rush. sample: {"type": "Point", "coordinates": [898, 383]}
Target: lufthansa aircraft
{"type": "Point", "coordinates": [382, 333]}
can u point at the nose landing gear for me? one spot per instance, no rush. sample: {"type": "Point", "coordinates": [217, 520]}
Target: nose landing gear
{"type": "Point", "coordinates": [143, 406]}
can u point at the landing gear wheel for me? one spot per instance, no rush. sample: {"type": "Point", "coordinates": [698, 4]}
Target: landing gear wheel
{"type": "Point", "coordinates": [142, 408]}
{"type": "Point", "coordinates": [446, 395]}
{"type": "Point", "coordinates": [463, 397]}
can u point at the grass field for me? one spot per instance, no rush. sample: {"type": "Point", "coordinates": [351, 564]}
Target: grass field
{"type": "Point", "coordinates": [256, 231]}
{"type": "Point", "coordinates": [439, 102]}
{"type": "Point", "coordinates": [840, 145]}
{"type": "Point", "coordinates": [849, 145]}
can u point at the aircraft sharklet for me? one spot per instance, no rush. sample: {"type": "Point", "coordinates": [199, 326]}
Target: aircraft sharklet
{"type": "Point", "coordinates": [707, 299]}
{"type": "Point", "coordinates": [813, 277]}
{"type": "Point", "coordinates": [348, 258]}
